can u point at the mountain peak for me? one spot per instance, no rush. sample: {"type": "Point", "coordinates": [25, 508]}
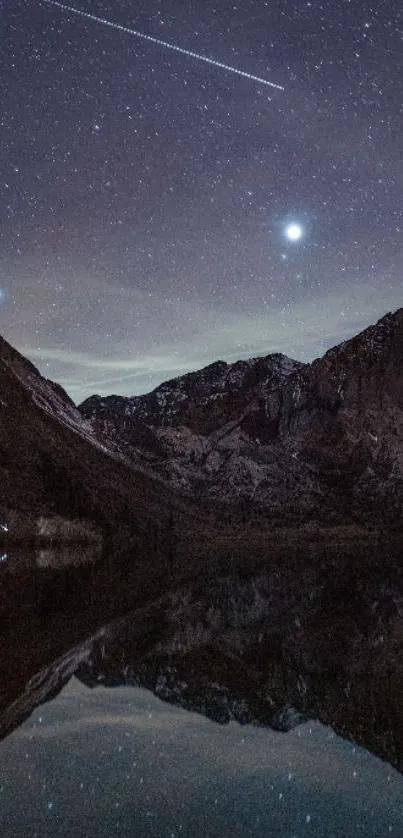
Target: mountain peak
{"type": "Point", "coordinates": [197, 399]}
{"type": "Point", "coordinates": [319, 440]}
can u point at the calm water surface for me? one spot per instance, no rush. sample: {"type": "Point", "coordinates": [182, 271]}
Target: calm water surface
{"type": "Point", "coordinates": [16, 558]}
{"type": "Point", "coordinates": [106, 762]}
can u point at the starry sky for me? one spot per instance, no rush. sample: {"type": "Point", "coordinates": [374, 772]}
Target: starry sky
{"type": "Point", "coordinates": [159, 212]}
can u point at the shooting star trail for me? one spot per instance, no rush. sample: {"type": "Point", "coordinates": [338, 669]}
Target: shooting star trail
{"type": "Point", "coordinates": [160, 43]}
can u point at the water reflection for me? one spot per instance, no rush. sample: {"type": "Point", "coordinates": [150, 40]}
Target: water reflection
{"type": "Point", "coordinates": [17, 558]}
{"type": "Point", "coordinates": [104, 762]}
{"type": "Point", "coordinates": [310, 636]}
{"type": "Point", "coordinates": [67, 556]}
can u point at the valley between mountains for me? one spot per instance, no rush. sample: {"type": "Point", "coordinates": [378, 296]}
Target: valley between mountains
{"type": "Point", "coordinates": [265, 497]}
{"type": "Point", "coordinates": [256, 446]}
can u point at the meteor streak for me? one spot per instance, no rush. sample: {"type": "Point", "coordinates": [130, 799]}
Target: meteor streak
{"type": "Point", "coordinates": [161, 43]}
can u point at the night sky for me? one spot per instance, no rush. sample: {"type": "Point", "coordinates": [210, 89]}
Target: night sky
{"type": "Point", "coordinates": [146, 195]}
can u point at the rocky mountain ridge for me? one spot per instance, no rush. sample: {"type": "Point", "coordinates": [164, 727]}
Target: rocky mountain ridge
{"type": "Point", "coordinates": [200, 400]}
{"type": "Point", "coordinates": [269, 441]}
{"type": "Point", "coordinates": [300, 442]}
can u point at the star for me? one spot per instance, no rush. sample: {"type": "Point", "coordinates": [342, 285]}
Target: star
{"type": "Point", "coordinates": [294, 232]}
{"type": "Point", "coordinates": [137, 150]}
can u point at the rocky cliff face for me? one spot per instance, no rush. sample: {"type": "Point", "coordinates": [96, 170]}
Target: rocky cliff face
{"type": "Point", "coordinates": [318, 441]}
{"type": "Point", "coordinates": [203, 401]}
{"type": "Point", "coordinates": [287, 442]}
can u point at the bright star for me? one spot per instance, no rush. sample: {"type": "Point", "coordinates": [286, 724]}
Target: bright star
{"type": "Point", "coordinates": [293, 232]}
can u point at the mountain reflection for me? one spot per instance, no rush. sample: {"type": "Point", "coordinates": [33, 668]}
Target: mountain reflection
{"type": "Point", "coordinates": [104, 762]}
{"type": "Point", "coordinates": [304, 638]}
{"type": "Point", "coordinates": [54, 556]}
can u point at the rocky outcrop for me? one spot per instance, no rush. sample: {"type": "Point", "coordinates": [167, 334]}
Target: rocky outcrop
{"type": "Point", "coordinates": [319, 441]}
{"type": "Point", "coordinates": [202, 401]}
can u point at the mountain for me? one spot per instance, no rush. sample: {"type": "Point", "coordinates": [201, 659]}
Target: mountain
{"type": "Point", "coordinates": [210, 463]}
{"type": "Point", "coordinates": [297, 442]}
{"type": "Point", "coordinates": [224, 491]}
{"type": "Point", "coordinates": [52, 464]}
{"type": "Point", "coordinates": [202, 401]}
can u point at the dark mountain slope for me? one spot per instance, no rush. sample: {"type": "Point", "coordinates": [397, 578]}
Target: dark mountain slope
{"type": "Point", "coordinates": [52, 464]}
{"type": "Point", "coordinates": [320, 441]}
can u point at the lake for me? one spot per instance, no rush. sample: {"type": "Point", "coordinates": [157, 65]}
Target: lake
{"type": "Point", "coordinates": [252, 703]}
{"type": "Point", "coordinates": [94, 763]}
